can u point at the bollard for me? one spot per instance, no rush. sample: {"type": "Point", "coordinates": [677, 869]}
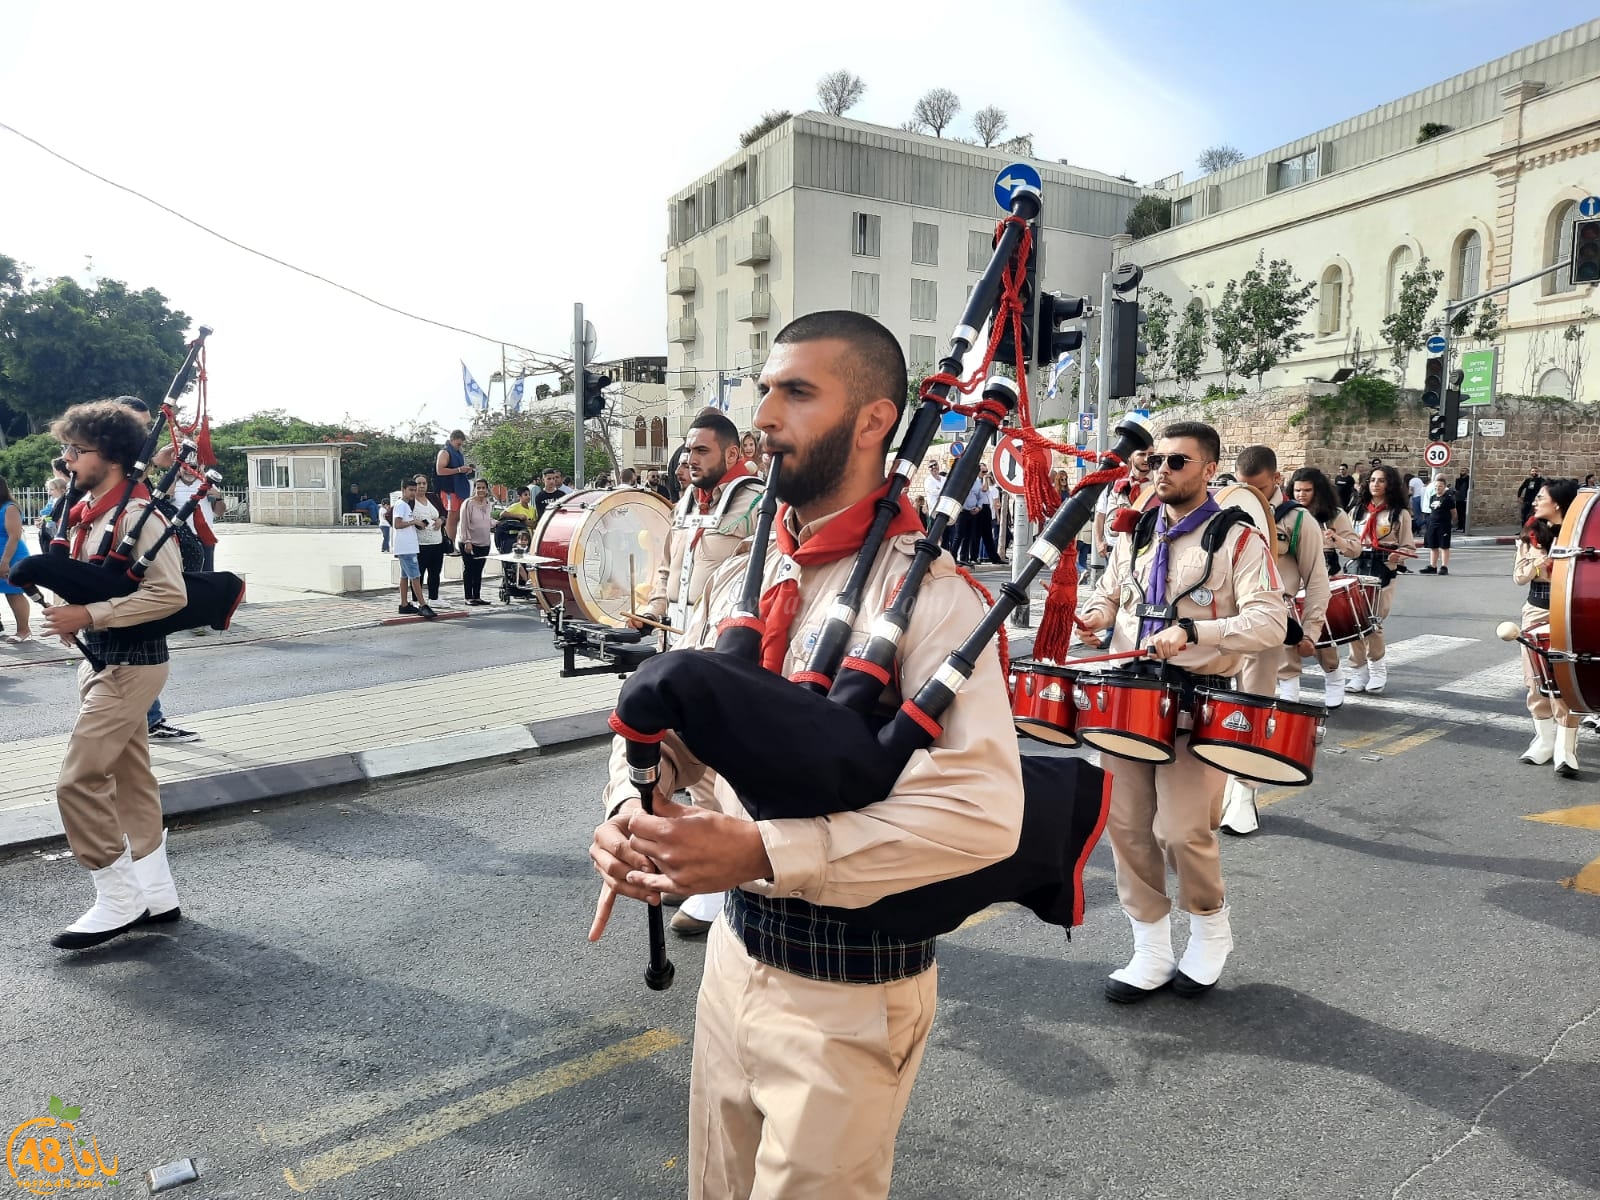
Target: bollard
{"type": "Point", "coordinates": [346, 579]}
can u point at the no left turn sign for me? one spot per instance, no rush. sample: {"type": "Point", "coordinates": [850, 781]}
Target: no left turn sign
{"type": "Point", "coordinates": [1437, 454]}
{"type": "Point", "coordinates": [1007, 463]}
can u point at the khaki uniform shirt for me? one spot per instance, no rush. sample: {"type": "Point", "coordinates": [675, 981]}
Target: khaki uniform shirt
{"type": "Point", "coordinates": [1340, 536]}
{"type": "Point", "coordinates": [709, 547]}
{"type": "Point", "coordinates": [1305, 567]}
{"type": "Point", "coordinates": [1238, 610]}
{"type": "Point", "coordinates": [957, 806]}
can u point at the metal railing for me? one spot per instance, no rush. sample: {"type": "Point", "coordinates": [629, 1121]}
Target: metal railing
{"type": "Point", "coordinates": [31, 501]}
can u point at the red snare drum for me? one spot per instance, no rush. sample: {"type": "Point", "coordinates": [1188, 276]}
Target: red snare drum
{"type": "Point", "coordinates": [1575, 604]}
{"type": "Point", "coordinates": [1350, 609]}
{"type": "Point", "coordinates": [601, 544]}
{"type": "Point", "coordinates": [1127, 716]}
{"type": "Point", "coordinates": [1256, 737]}
{"type": "Point", "coordinates": [1041, 701]}
{"type": "Point", "coordinates": [1543, 670]}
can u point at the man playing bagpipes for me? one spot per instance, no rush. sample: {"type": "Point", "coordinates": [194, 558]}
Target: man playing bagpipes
{"type": "Point", "coordinates": [809, 1031]}
{"type": "Point", "coordinates": [109, 800]}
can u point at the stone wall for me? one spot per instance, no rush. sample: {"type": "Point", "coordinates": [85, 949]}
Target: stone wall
{"type": "Point", "coordinates": [1560, 439]}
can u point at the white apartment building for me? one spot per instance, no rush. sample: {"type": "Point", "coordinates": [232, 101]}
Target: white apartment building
{"type": "Point", "coordinates": [824, 212]}
{"type": "Point", "coordinates": [1352, 207]}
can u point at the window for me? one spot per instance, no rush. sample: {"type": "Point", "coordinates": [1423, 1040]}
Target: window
{"type": "Point", "coordinates": [741, 188]}
{"type": "Point", "coordinates": [864, 234]}
{"type": "Point", "coordinates": [925, 243]}
{"type": "Point", "coordinates": [658, 437]}
{"type": "Point", "coordinates": [640, 433]}
{"type": "Point", "coordinates": [272, 472]}
{"type": "Point", "coordinates": [1399, 264]}
{"type": "Point", "coordinates": [864, 293]}
{"type": "Point", "coordinates": [722, 256]}
{"type": "Point", "coordinates": [1183, 210]}
{"type": "Point", "coordinates": [686, 311]}
{"type": "Point", "coordinates": [924, 350]}
{"type": "Point", "coordinates": [763, 283]}
{"type": "Point", "coordinates": [310, 472]}
{"type": "Point", "coordinates": [1292, 172]}
{"type": "Point", "coordinates": [980, 248]}
{"type": "Point", "coordinates": [1330, 304]}
{"type": "Point", "coordinates": [1555, 382]}
{"type": "Point", "coordinates": [924, 300]}
{"type": "Point", "coordinates": [1468, 265]}
{"type": "Point", "coordinates": [1561, 223]}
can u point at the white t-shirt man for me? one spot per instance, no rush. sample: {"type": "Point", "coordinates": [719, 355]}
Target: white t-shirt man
{"type": "Point", "coordinates": [404, 540]}
{"type": "Point", "coordinates": [1419, 490]}
{"type": "Point", "coordinates": [202, 511]}
{"type": "Point", "coordinates": [933, 488]}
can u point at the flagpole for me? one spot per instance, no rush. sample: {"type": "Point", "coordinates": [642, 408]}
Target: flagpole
{"type": "Point", "coordinates": [505, 383]}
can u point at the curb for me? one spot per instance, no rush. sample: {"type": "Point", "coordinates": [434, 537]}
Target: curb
{"type": "Point", "coordinates": [37, 827]}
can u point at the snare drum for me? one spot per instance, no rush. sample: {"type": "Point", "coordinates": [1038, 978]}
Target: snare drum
{"type": "Point", "coordinates": [1041, 701]}
{"type": "Point", "coordinates": [1128, 716]}
{"type": "Point", "coordinates": [1350, 609]}
{"type": "Point", "coordinates": [600, 545]}
{"type": "Point", "coordinates": [1543, 672]}
{"type": "Point", "coordinates": [1256, 737]}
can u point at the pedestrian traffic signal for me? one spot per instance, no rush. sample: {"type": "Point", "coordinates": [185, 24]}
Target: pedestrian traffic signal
{"type": "Point", "coordinates": [1433, 382]}
{"type": "Point", "coordinates": [1006, 349]}
{"type": "Point", "coordinates": [1585, 253]}
{"type": "Point", "coordinates": [594, 400]}
{"type": "Point", "coordinates": [1052, 341]}
{"type": "Point", "coordinates": [1125, 348]}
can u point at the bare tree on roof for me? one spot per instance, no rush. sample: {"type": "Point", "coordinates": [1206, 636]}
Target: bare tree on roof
{"type": "Point", "coordinates": [839, 91]}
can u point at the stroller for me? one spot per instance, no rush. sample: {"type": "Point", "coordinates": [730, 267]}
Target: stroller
{"type": "Point", "coordinates": [506, 533]}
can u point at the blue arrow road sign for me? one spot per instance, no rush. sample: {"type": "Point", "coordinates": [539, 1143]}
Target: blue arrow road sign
{"type": "Point", "coordinates": [1436, 345]}
{"type": "Point", "coordinates": [1011, 179]}
{"type": "Point", "coordinates": [1589, 206]}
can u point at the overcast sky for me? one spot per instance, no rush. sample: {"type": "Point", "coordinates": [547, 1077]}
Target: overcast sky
{"type": "Point", "coordinates": [487, 164]}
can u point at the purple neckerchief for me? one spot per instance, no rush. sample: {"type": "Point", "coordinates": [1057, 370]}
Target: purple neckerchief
{"type": "Point", "coordinates": [1156, 593]}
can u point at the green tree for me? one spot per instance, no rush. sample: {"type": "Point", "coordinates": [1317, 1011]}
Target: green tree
{"type": "Point", "coordinates": [26, 462]}
{"type": "Point", "coordinates": [518, 447]}
{"type": "Point", "coordinates": [1189, 345]}
{"type": "Point", "coordinates": [1264, 313]}
{"type": "Point", "coordinates": [1150, 215]}
{"type": "Point", "coordinates": [1407, 328]}
{"type": "Point", "coordinates": [1215, 158]}
{"type": "Point", "coordinates": [1158, 333]}
{"type": "Point", "coordinates": [1227, 331]}
{"type": "Point", "coordinates": [769, 121]}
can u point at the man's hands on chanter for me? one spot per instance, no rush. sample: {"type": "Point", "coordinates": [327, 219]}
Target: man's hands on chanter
{"type": "Point", "coordinates": [679, 848]}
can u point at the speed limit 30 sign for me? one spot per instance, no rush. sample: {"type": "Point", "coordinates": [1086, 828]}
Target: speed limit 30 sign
{"type": "Point", "coordinates": [1437, 454]}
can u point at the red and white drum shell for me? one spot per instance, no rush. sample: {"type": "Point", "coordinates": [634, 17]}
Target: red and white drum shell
{"type": "Point", "coordinates": [1543, 669]}
{"type": "Point", "coordinates": [1041, 701]}
{"type": "Point", "coordinates": [1127, 716]}
{"type": "Point", "coordinates": [1256, 737]}
{"type": "Point", "coordinates": [1350, 609]}
{"type": "Point", "coordinates": [604, 543]}
{"type": "Point", "coordinates": [1575, 604]}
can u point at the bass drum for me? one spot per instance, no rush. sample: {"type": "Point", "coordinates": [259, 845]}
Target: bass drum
{"type": "Point", "coordinates": [1575, 604]}
{"type": "Point", "coordinates": [1242, 495]}
{"type": "Point", "coordinates": [604, 547]}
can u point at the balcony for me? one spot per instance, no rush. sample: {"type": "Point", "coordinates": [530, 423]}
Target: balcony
{"type": "Point", "coordinates": [749, 360]}
{"type": "Point", "coordinates": [752, 306]}
{"type": "Point", "coordinates": [685, 379]}
{"type": "Point", "coordinates": [684, 329]}
{"type": "Point", "coordinates": [755, 248]}
{"type": "Point", "coordinates": [683, 281]}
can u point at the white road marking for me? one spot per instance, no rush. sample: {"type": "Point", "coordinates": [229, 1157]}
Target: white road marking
{"type": "Point", "coordinates": [1496, 683]}
{"type": "Point", "coordinates": [1407, 650]}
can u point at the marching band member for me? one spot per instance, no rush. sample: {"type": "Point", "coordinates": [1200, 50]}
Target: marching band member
{"type": "Point", "coordinates": [1339, 540]}
{"type": "Point", "coordinates": [1555, 726]}
{"type": "Point", "coordinates": [108, 796]}
{"type": "Point", "coordinates": [1383, 517]}
{"type": "Point", "coordinates": [808, 1032]}
{"type": "Point", "coordinates": [713, 516]}
{"type": "Point", "coordinates": [1200, 611]}
{"type": "Point", "coordinates": [1300, 563]}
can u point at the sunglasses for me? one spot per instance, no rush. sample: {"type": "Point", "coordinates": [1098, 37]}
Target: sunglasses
{"type": "Point", "coordinates": [1173, 462]}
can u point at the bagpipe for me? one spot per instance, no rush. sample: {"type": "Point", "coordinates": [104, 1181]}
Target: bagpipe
{"type": "Point", "coordinates": [112, 571]}
{"type": "Point", "coordinates": [855, 754]}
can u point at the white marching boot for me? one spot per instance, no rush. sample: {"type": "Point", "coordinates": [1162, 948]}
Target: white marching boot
{"type": "Point", "coordinates": [1289, 689]}
{"type": "Point", "coordinates": [118, 907]}
{"type": "Point", "coordinates": [1379, 671]}
{"type": "Point", "coordinates": [1239, 814]}
{"type": "Point", "coordinates": [1151, 967]}
{"type": "Point", "coordinates": [1358, 678]}
{"type": "Point", "coordinates": [155, 881]}
{"type": "Point", "coordinates": [1210, 940]}
{"type": "Point", "coordinates": [1567, 751]}
{"type": "Point", "coordinates": [1543, 747]}
{"type": "Point", "coordinates": [1333, 688]}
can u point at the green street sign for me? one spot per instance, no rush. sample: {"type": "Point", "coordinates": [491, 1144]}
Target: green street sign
{"type": "Point", "coordinates": [1477, 383]}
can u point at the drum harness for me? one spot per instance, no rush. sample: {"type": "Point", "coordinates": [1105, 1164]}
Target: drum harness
{"type": "Point", "coordinates": [686, 518]}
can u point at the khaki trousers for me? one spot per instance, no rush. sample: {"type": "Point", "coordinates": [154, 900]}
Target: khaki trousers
{"type": "Point", "coordinates": [1372, 646]}
{"type": "Point", "coordinates": [1540, 706]}
{"type": "Point", "coordinates": [106, 789]}
{"type": "Point", "coordinates": [1160, 815]}
{"type": "Point", "coordinates": [798, 1087]}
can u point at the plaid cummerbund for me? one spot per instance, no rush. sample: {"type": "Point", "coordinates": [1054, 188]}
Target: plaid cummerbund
{"type": "Point", "coordinates": [798, 937]}
{"type": "Point", "coordinates": [1539, 594]}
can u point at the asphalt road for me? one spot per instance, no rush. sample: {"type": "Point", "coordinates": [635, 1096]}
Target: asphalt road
{"type": "Point", "coordinates": [389, 993]}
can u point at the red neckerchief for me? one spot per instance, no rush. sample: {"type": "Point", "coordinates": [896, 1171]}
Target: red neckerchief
{"type": "Point", "coordinates": [838, 538]}
{"type": "Point", "coordinates": [1369, 531]}
{"type": "Point", "coordinates": [84, 514]}
{"type": "Point", "coordinates": [738, 471]}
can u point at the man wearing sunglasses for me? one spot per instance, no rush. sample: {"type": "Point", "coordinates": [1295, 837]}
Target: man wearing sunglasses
{"type": "Point", "coordinates": [1200, 612]}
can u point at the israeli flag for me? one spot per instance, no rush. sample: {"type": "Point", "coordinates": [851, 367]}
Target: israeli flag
{"type": "Point", "coordinates": [1061, 364]}
{"type": "Point", "coordinates": [476, 396]}
{"type": "Point", "coordinates": [514, 400]}
{"type": "Point", "coordinates": [725, 400]}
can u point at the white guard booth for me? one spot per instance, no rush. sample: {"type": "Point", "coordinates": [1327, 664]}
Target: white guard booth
{"type": "Point", "coordinates": [297, 484]}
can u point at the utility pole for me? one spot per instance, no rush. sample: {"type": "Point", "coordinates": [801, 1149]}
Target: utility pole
{"type": "Point", "coordinates": [580, 363]}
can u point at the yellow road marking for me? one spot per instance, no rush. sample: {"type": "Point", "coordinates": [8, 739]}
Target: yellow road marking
{"type": "Point", "coordinates": [988, 914]}
{"type": "Point", "coordinates": [1586, 880]}
{"type": "Point", "coordinates": [452, 1118]}
{"type": "Point", "coordinates": [1412, 742]}
{"type": "Point", "coordinates": [1585, 816]}
{"type": "Point", "coordinates": [1267, 797]}
{"type": "Point", "coordinates": [1366, 739]}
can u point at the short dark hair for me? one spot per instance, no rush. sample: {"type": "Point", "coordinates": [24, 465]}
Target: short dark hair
{"type": "Point", "coordinates": [727, 433]}
{"type": "Point", "coordinates": [117, 433]}
{"type": "Point", "coordinates": [408, 482]}
{"type": "Point", "coordinates": [1344, 466]}
{"type": "Point", "coordinates": [59, 464]}
{"type": "Point", "coordinates": [133, 402]}
{"type": "Point", "coordinates": [1200, 432]}
{"type": "Point", "coordinates": [524, 491]}
{"type": "Point", "coordinates": [550, 471]}
{"type": "Point", "coordinates": [1253, 460]}
{"type": "Point", "coordinates": [875, 366]}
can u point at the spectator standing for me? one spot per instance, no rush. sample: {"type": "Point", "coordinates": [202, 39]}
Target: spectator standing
{"type": "Point", "coordinates": [1528, 491]}
{"type": "Point", "coordinates": [455, 475]}
{"type": "Point", "coordinates": [473, 534]}
{"type": "Point", "coordinates": [967, 526]}
{"type": "Point", "coordinates": [13, 549]}
{"type": "Point", "coordinates": [1463, 486]}
{"type": "Point", "coordinates": [1440, 519]}
{"type": "Point", "coordinates": [1588, 480]}
{"type": "Point", "coordinates": [430, 538]}
{"type": "Point", "coordinates": [200, 522]}
{"type": "Point", "coordinates": [550, 491]}
{"type": "Point", "coordinates": [1344, 484]}
{"type": "Point", "coordinates": [522, 510]}
{"type": "Point", "coordinates": [1418, 492]}
{"type": "Point", "coordinates": [750, 447]}
{"type": "Point", "coordinates": [385, 516]}
{"type": "Point", "coordinates": [988, 545]}
{"type": "Point", "coordinates": [406, 552]}
{"type": "Point", "coordinates": [628, 478]}
{"type": "Point", "coordinates": [55, 492]}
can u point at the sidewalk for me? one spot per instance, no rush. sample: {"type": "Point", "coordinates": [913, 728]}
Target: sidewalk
{"type": "Point", "coordinates": [266, 751]}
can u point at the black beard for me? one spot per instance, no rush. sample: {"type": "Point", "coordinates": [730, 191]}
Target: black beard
{"type": "Point", "coordinates": [816, 475]}
{"type": "Point", "coordinates": [711, 477]}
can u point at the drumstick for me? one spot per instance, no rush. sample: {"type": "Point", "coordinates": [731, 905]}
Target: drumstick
{"type": "Point", "coordinates": [1116, 656]}
{"type": "Point", "coordinates": [652, 622]}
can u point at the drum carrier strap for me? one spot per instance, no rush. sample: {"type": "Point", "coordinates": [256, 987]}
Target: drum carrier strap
{"type": "Point", "coordinates": [1216, 532]}
{"type": "Point", "coordinates": [1282, 511]}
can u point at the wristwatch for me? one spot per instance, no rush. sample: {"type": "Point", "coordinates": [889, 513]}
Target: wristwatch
{"type": "Point", "coordinates": [1187, 625]}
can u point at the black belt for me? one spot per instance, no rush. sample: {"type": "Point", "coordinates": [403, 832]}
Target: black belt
{"type": "Point", "coordinates": [1539, 594]}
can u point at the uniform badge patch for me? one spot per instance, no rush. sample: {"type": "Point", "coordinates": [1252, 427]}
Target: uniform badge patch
{"type": "Point", "coordinates": [1201, 595]}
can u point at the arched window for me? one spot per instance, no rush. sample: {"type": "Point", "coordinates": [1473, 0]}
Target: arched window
{"type": "Point", "coordinates": [1330, 303]}
{"type": "Point", "coordinates": [1468, 265]}
{"type": "Point", "coordinates": [1554, 382]}
{"type": "Point", "coordinates": [640, 433]}
{"type": "Point", "coordinates": [658, 438]}
{"type": "Point", "coordinates": [1558, 243]}
{"type": "Point", "coordinates": [1399, 264]}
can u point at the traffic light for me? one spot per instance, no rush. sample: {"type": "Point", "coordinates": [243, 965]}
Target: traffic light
{"type": "Point", "coordinates": [1451, 412]}
{"type": "Point", "coordinates": [594, 401]}
{"type": "Point", "coordinates": [1125, 347]}
{"type": "Point", "coordinates": [1006, 350]}
{"type": "Point", "coordinates": [1052, 341]}
{"type": "Point", "coordinates": [1436, 425]}
{"type": "Point", "coordinates": [1433, 383]}
{"type": "Point", "coordinates": [1585, 253]}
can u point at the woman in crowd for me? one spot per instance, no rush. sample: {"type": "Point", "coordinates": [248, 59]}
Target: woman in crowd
{"type": "Point", "coordinates": [1382, 518]}
{"type": "Point", "coordinates": [750, 447]}
{"type": "Point", "coordinates": [473, 535]}
{"type": "Point", "coordinates": [1555, 727]}
{"type": "Point", "coordinates": [430, 538]}
{"type": "Point", "coordinates": [1311, 488]}
{"type": "Point", "coordinates": [13, 549]}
